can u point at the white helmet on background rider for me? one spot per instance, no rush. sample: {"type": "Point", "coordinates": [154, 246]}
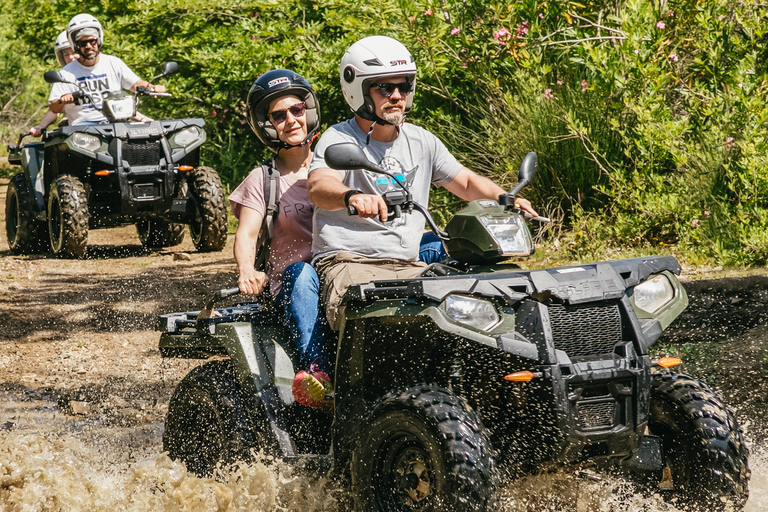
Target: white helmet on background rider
{"type": "Point", "coordinates": [62, 43]}
{"type": "Point", "coordinates": [82, 22]}
{"type": "Point", "coordinates": [369, 60]}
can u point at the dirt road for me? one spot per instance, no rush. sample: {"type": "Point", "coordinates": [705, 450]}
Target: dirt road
{"type": "Point", "coordinates": [78, 345]}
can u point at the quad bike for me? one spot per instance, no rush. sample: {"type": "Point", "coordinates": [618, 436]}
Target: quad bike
{"type": "Point", "coordinates": [473, 373]}
{"type": "Point", "coordinates": [87, 177]}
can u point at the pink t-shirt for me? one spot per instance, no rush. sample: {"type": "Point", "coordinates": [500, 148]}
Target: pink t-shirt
{"type": "Point", "coordinates": [293, 227]}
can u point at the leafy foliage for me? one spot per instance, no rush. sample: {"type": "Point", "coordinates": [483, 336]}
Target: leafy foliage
{"type": "Point", "coordinates": [648, 118]}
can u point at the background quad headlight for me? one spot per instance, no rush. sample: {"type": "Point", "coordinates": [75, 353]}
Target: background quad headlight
{"type": "Point", "coordinates": [654, 293]}
{"type": "Point", "coordinates": [86, 141]}
{"type": "Point", "coordinates": [476, 313]}
{"type": "Point", "coordinates": [187, 136]}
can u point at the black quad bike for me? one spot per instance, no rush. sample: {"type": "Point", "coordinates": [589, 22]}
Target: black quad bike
{"type": "Point", "coordinates": [476, 372]}
{"type": "Point", "coordinates": [87, 177]}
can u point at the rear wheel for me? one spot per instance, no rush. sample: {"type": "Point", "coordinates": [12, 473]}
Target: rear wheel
{"type": "Point", "coordinates": [209, 229]}
{"type": "Point", "coordinates": [158, 233]}
{"type": "Point", "coordinates": [207, 422]}
{"type": "Point", "coordinates": [21, 230]}
{"type": "Point", "coordinates": [68, 217]}
{"type": "Point", "coordinates": [706, 458]}
{"type": "Point", "coordinates": [423, 450]}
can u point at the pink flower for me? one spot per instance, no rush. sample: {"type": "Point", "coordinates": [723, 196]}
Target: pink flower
{"type": "Point", "coordinates": [661, 25]}
{"type": "Point", "coordinates": [501, 34]}
{"type": "Point", "coordinates": [729, 142]}
{"type": "Point", "coordinates": [636, 51]}
{"type": "Point", "coordinates": [428, 12]}
{"type": "Point", "coordinates": [213, 113]}
{"type": "Point", "coordinates": [411, 19]}
{"type": "Point", "coordinates": [455, 30]}
{"type": "Point", "coordinates": [253, 38]}
{"type": "Point", "coordinates": [541, 16]}
{"type": "Point", "coordinates": [695, 223]}
{"type": "Point", "coordinates": [741, 85]}
{"type": "Point", "coordinates": [673, 57]}
{"type": "Point", "coordinates": [522, 30]}
{"type": "Point", "coordinates": [706, 212]}
{"type": "Point", "coordinates": [548, 94]}
{"type": "Point", "coordinates": [559, 82]}
{"type": "Point", "coordinates": [671, 13]}
{"type": "Point", "coordinates": [584, 85]}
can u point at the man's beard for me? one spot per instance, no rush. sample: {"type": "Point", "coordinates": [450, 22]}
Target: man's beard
{"type": "Point", "coordinates": [393, 118]}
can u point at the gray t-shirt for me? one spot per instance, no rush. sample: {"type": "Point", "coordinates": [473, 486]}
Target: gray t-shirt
{"type": "Point", "coordinates": [417, 157]}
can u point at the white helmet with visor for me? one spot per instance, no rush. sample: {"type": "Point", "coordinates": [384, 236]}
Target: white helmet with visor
{"type": "Point", "coordinates": [84, 22]}
{"type": "Point", "coordinates": [368, 61]}
{"type": "Point", "coordinates": [62, 43]}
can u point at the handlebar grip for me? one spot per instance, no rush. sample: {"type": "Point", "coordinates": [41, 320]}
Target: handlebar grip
{"type": "Point", "coordinates": [351, 210]}
{"type": "Point", "coordinates": [226, 292]}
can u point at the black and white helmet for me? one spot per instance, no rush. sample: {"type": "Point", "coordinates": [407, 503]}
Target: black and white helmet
{"type": "Point", "coordinates": [61, 44]}
{"type": "Point", "coordinates": [274, 84]}
{"type": "Point", "coordinates": [81, 22]}
{"type": "Point", "coordinates": [369, 60]}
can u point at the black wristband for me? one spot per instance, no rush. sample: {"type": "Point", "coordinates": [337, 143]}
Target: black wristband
{"type": "Point", "coordinates": [350, 193]}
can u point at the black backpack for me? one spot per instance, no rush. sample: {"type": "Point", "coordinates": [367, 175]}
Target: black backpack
{"type": "Point", "coordinates": [272, 203]}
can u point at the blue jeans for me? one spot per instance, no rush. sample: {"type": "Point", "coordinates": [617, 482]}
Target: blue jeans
{"type": "Point", "coordinates": [299, 302]}
{"type": "Point", "coordinates": [431, 250]}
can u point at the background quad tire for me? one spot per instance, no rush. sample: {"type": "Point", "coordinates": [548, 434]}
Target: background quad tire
{"type": "Point", "coordinates": [159, 233]}
{"type": "Point", "coordinates": [703, 443]}
{"type": "Point", "coordinates": [209, 231]}
{"type": "Point", "coordinates": [68, 217]}
{"type": "Point", "coordinates": [25, 235]}
{"type": "Point", "coordinates": [207, 422]}
{"type": "Point", "coordinates": [423, 450]}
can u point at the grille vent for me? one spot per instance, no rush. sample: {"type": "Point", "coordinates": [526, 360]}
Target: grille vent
{"type": "Point", "coordinates": [141, 153]}
{"type": "Point", "coordinates": [596, 414]}
{"type": "Point", "coordinates": [585, 330]}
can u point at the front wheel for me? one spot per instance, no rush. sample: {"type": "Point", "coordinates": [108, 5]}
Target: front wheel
{"type": "Point", "coordinates": [68, 217]}
{"type": "Point", "coordinates": [207, 423]}
{"type": "Point", "coordinates": [706, 457]}
{"type": "Point", "coordinates": [21, 229]}
{"type": "Point", "coordinates": [209, 229]}
{"type": "Point", "coordinates": [423, 450]}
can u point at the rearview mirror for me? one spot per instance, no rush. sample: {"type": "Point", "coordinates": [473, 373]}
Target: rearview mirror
{"type": "Point", "coordinates": [347, 156]}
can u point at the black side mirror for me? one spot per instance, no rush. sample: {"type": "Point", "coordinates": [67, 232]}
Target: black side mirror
{"type": "Point", "coordinates": [346, 156]}
{"type": "Point", "coordinates": [527, 172]}
{"type": "Point", "coordinates": [170, 68]}
{"type": "Point", "coordinates": [54, 77]}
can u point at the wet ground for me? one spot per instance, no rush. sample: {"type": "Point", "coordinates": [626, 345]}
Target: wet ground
{"type": "Point", "coordinates": [84, 391]}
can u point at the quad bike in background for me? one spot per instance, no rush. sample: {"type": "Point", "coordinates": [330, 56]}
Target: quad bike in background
{"type": "Point", "coordinates": [124, 172]}
{"type": "Point", "coordinates": [474, 373]}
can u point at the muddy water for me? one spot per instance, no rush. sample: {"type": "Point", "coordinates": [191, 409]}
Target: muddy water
{"type": "Point", "coordinates": [52, 461]}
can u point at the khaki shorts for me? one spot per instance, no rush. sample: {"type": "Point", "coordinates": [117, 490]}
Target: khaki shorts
{"type": "Point", "coordinates": [339, 271]}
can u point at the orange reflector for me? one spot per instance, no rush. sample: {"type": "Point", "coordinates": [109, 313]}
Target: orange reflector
{"type": "Point", "coordinates": [185, 167]}
{"type": "Point", "coordinates": [523, 376]}
{"type": "Point", "coordinates": [669, 362]}
{"type": "Point", "coordinates": [102, 172]}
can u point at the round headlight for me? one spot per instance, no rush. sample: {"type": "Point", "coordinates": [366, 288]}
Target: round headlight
{"type": "Point", "coordinates": [186, 136]}
{"type": "Point", "coordinates": [653, 294]}
{"type": "Point", "coordinates": [86, 141]}
{"type": "Point", "coordinates": [476, 313]}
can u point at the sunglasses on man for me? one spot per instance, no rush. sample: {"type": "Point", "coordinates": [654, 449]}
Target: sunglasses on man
{"type": "Point", "coordinates": [86, 42]}
{"type": "Point", "coordinates": [388, 89]}
{"type": "Point", "coordinates": [296, 110]}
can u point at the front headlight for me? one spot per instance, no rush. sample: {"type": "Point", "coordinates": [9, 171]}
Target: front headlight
{"type": "Point", "coordinates": [85, 141]}
{"type": "Point", "coordinates": [653, 294]}
{"type": "Point", "coordinates": [186, 136]}
{"type": "Point", "coordinates": [510, 233]}
{"type": "Point", "coordinates": [476, 313]}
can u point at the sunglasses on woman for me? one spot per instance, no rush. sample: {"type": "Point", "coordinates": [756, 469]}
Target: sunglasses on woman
{"type": "Point", "coordinates": [296, 110]}
{"type": "Point", "coordinates": [388, 89]}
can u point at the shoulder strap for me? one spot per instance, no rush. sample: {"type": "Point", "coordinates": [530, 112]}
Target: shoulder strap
{"type": "Point", "coordinates": [272, 204]}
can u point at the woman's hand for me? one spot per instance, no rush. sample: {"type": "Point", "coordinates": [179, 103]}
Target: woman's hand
{"type": "Point", "coordinates": [251, 281]}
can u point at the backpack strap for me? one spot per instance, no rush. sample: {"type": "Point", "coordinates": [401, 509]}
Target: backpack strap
{"type": "Point", "coordinates": [272, 203]}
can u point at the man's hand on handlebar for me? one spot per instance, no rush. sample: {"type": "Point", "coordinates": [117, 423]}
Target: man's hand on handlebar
{"type": "Point", "coordinates": [251, 282]}
{"type": "Point", "coordinates": [369, 206]}
{"type": "Point", "coordinates": [526, 206]}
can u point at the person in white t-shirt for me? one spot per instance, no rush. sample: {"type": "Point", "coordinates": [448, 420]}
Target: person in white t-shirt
{"type": "Point", "coordinates": [94, 72]}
